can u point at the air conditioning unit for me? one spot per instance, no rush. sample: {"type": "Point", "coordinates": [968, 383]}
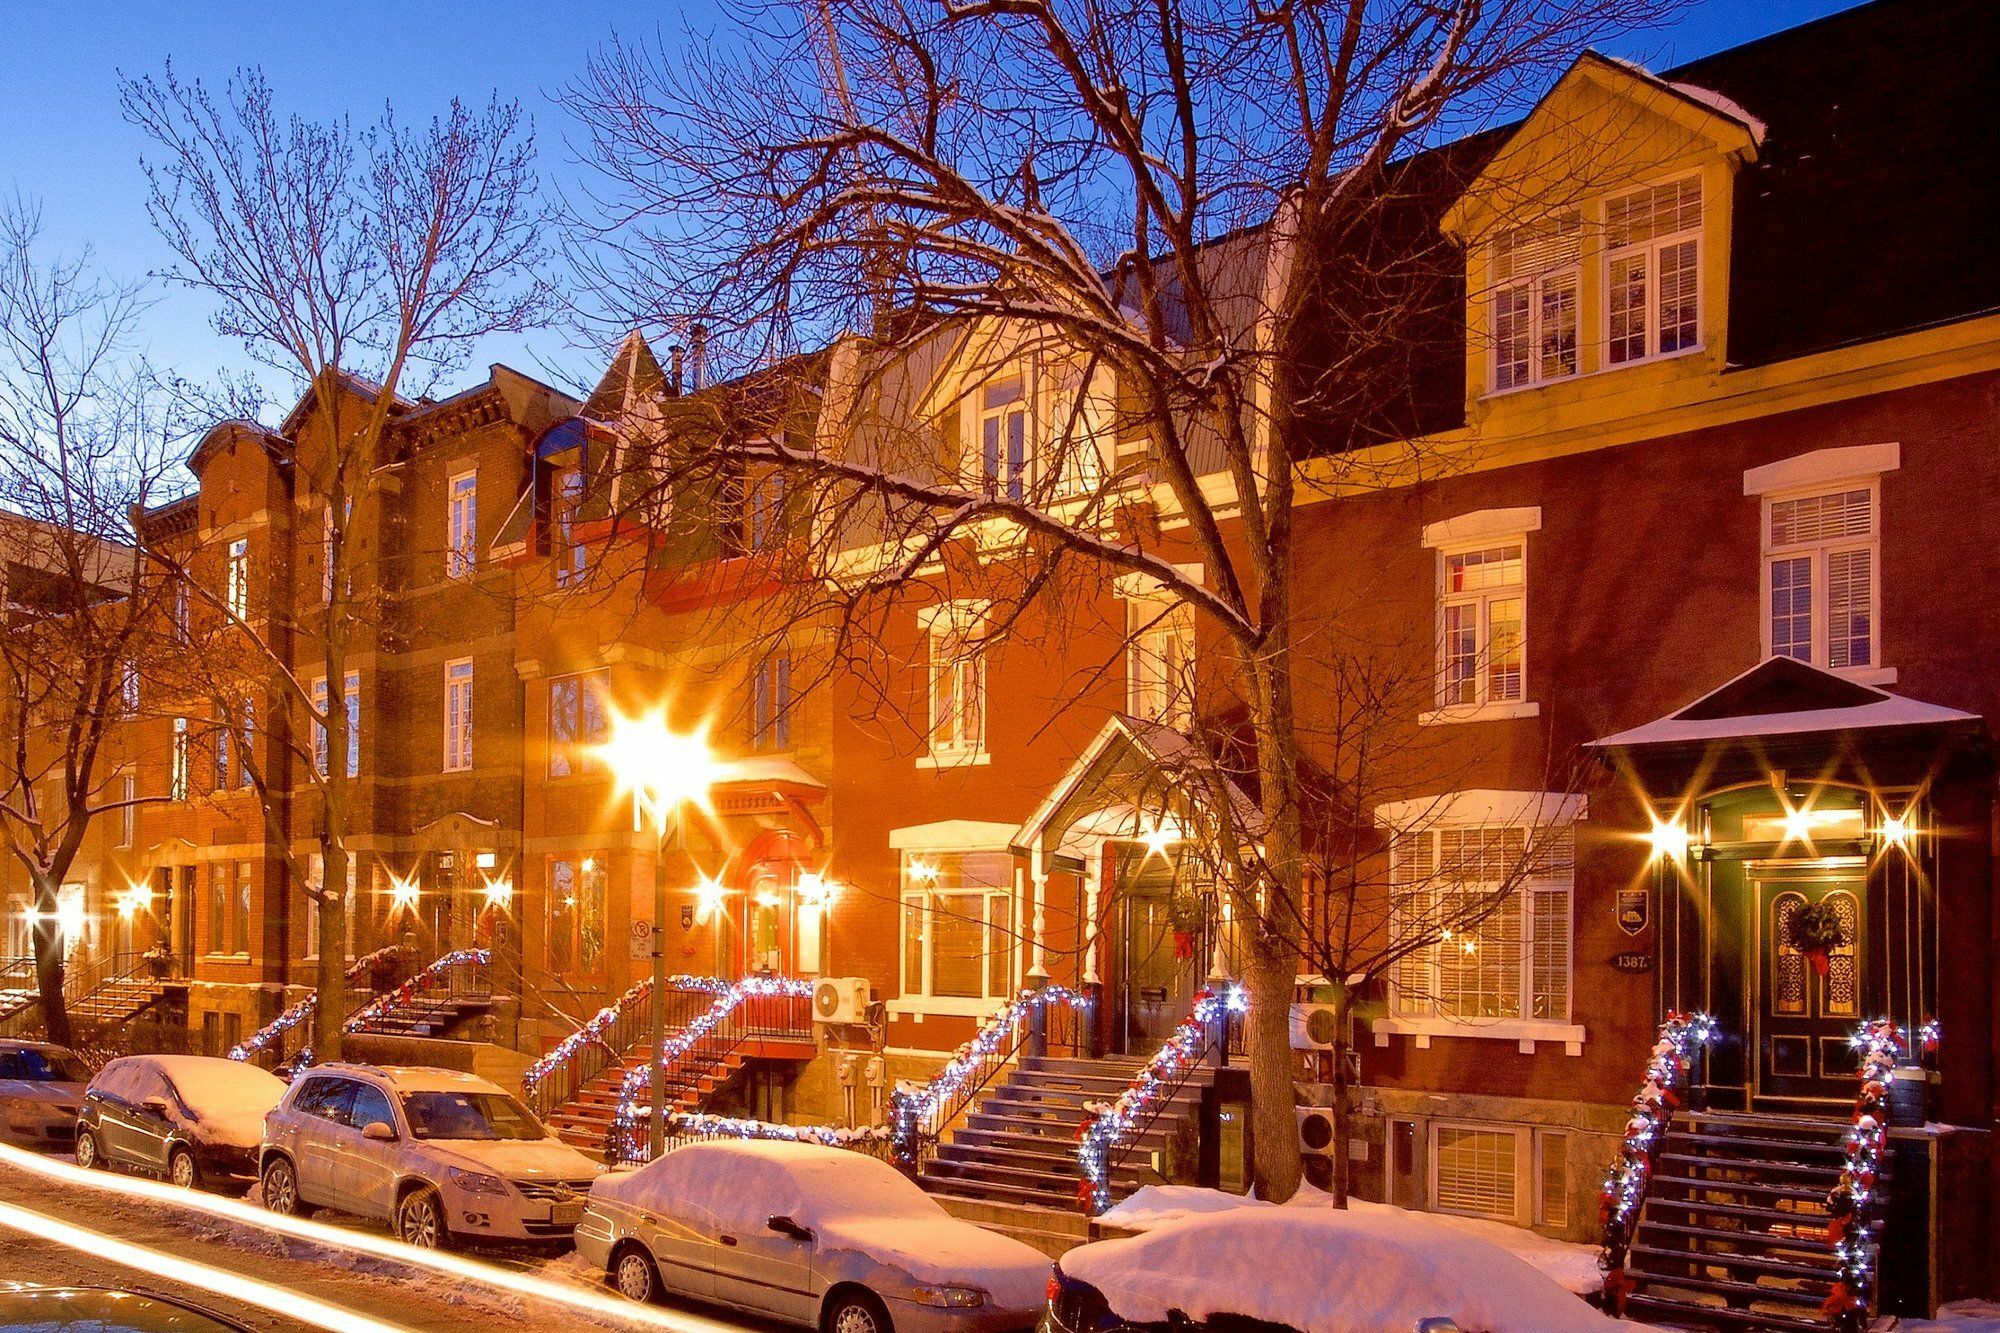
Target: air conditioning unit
{"type": "Point", "coordinates": [1316, 1145]}
{"type": "Point", "coordinates": [840, 1000]}
{"type": "Point", "coordinates": [1314, 1027]}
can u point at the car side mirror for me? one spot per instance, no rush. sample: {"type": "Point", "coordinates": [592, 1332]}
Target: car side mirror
{"type": "Point", "coordinates": [785, 1226]}
{"type": "Point", "coordinates": [157, 1105]}
{"type": "Point", "coordinates": [381, 1131]}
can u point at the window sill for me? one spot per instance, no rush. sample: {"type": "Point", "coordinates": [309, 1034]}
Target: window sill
{"type": "Point", "coordinates": [968, 759]}
{"type": "Point", "coordinates": [233, 957]}
{"type": "Point", "coordinates": [1453, 713]}
{"type": "Point", "coordinates": [1605, 366]}
{"type": "Point", "coordinates": [1526, 1032]}
{"type": "Point", "coordinates": [943, 1006]}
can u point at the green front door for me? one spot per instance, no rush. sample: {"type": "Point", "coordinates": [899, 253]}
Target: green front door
{"type": "Point", "coordinates": [1810, 986]}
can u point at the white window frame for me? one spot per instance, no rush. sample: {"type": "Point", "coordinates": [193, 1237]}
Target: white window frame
{"type": "Point", "coordinates": [237, 583]}
{"type": "Point", "coordinates": [570, 758]}
{"type": "Point", "coordinates": [1537, 285]}
{"type": "Point", "coordinates": [955, 648]}
{"type": "Point", "coordinates": [128, 809]}
{"type": "Point", "coordinates": [1008, 479]}
{"type": "Point", "coordinates": [321, 738]}
{"type": "Point", "coordinates": [461, 524]}
{"type": "Point", "coordinates": [567, 492]}
{"type": "Point", "coordinates": [1477, 531]}
{"type": "Point", "coordinates": [1819, 555]}
{"type": "Point", "coordinates": [1650, 248]}
{"type": "Point", "coordinates": [1518, 1133]}
{"type": "Point", "coordinates": [178, 763]}
{"type": "Point", "coordinates": [1159, 660]}
{"type": "Point", "coordinates": [915, 995]}
{"type": "Point", "coordinates": [458, 697]}
{"type": "Point", "coordinates": [1543, 1137]}
{"type": "Point", "coordinates": [771, 704]}
{"type": "Point", "coordinates": [326, 555]}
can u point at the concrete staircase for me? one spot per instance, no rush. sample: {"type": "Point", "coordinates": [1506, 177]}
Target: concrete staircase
{"type": "Point", "coordinates": [430, 1016]}
{"type": "Point", "coordinates": [1732, 1231]}
{"type": "Point", "coordinates": [1017, 1145]}
{"type": "Point", "coordinates": [115, 1003]}
{"type": "Point", "coordinates": [584, 1121]}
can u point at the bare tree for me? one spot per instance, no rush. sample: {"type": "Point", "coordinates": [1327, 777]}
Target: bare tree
{"type": "Point", "coordinates": [1202, 227]}
{"type": "Point", "coordinates": [363, 264]}
{"type": "Point", "coordinates": [84, 437]}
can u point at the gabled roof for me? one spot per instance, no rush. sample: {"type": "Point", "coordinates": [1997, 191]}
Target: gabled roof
{"type": "Point", "coordinates": [1112, 774]}
{"type": "Point", "coordinates": [633, 376]}
{"type": "Point", "coordinates": [1781, 696]}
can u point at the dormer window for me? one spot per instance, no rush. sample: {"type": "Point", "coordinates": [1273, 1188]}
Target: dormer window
{"type": "Point", "coordinates": [1535, 275]}
{"type": "Point", "coordinates": [1003, 439]}
{"type": "Point", "coordinates": [1652, 240]}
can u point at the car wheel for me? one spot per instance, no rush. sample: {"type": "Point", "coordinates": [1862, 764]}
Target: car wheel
{"type": "Point", "coordinates": [420, 1220]}
{"type": "Point", "coordinates": [87, 1155]}
{"type": "Point", "coordinates": [281, 1188]}
{"type": "Point", "coordinates": [181, 1169]}
{"type": "Point", "coordinates": [856, 1312]}
{"type": "Point", "coordinates": [635, 1275]}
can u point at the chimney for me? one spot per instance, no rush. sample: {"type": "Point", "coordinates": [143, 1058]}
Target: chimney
{"type": "Point", "coordinates": [698, 357]}
{"type": "Point", "coordinates": [674, 371]}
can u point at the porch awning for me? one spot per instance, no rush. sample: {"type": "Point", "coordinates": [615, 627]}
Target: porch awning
{"type": "Point", "coordinates": [1781, 696]}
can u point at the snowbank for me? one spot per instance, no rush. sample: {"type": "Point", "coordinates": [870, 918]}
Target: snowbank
{"type": "Point", "coordinates": [1570, 1265]}
{"type": "Point", "coordinates": [1327, 1270]}
{"type": "Point", "coordinates": [850, 1201]}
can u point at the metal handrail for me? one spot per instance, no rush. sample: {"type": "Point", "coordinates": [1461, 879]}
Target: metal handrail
{"type": "Point", "coordinates": [604, 1041]}
{"type": "Point", "coordinates": [1193, 1045]}
{"type": "Point", "coordinates": [79, 985]}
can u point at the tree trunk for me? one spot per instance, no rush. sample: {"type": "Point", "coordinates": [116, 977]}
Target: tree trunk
{"type": "Point", "coordinates": [51, 969]}
{"type": "Point", "coordinates": [332, 909]}
{"type": "Point", "coordinates": [1343, 1164]}
{"type": "Point", "coordinates": [1272, 974]}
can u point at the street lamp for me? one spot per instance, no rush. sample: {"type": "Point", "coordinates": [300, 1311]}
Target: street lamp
{"type": "Point", "coordinates": [664, 770]}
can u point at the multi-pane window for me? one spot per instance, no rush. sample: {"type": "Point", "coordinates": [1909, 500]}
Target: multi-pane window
{"type": "Point", "coordinates": [1820, 560]}
{"type": "Point", "coordinates": [576, 916]}
{"type": "Point", "coordinates": [767, 513]}
{"type": "Point", "coordinates": [352, 707]}
{"type": "Point", "coordinates": [239, 921]}
{"type": "Point", "coordinates": [1003, 438]}
{"type": "Point", "coordinates": [771, 704]}
{"type": "Point", "coordinates": [219, 895]}
{"type": "Point", "coordinates": [462, 523]}
{"type": "Point", "coordinates": [572, 560]}
{"type": "Point", "coordinates": [1535, 302]}
{"type": "Point", "coordinates": [458, 715]}
{"type": "Point", "coordinates": [958, 924]}
{"type": "Point", "coordinates": [579, 720]}
{"type": "Point", "coordinates": [128, 689]}
{"type": "Point", "coordinates": [319, 731]}
{"type": "Point", "coordinates": [1159, 660]}
{"type": "Point", "coordinates": [958, 688]}
{"type": "Point", "coordinates": [1482, 599]}
{"type": "Point", "coordinates": [246, 752]}
{"type": "Point", "coordinates": [326, 556]}
{"type": "Point", "coordinates": [177, 770]}
{"type": "Point", "coordinates": [1494, 904]}
{"type": "Point", "coordinates": [1652, 243]}
{"type": "Point", "coordinates": [1475, 1171]}
{"type": "Point", "coordinates": [222, 748]}
{"type": "Point", "coordinates": [237, 583]}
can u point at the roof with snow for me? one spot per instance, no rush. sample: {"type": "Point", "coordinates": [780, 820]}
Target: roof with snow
{"type": "Point", "coordinates": [1781, 696]}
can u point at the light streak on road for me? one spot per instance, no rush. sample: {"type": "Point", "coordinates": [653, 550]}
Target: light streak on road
{"type": "Point", "coordinates": [215, 1281]}
{"type": "Point", "coordinates": [599, 1305]}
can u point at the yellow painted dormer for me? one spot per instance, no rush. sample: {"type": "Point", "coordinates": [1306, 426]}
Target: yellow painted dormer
{"type": "Point", "coordinates": [1597, 245]}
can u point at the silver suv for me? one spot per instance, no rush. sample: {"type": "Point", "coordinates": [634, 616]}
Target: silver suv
{"type": "Point", "coordinates": [443, 1157]}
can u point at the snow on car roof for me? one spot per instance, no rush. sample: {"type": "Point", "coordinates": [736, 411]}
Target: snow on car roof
{"type": "Point", "coordinates": [419, 1078]}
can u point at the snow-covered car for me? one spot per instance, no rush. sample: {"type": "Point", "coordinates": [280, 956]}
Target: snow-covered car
{"type": "Point", "coordinates": [194, 1119]}
{"type": "Point", "coordinates": [812, 1236]}
{"type": "Point", "coordinates": [441, 1156]}
{"type": "Point", "coordinates": [1308, 1270]}
{"type": "Point", "coordinates": [26, 1305]}
{"type": "Point", "coordinates": [41, 1092]}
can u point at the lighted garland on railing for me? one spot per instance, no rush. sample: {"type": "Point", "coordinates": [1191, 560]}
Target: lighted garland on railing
{"type": "Point", "coordinates": [390, 1002]}
{"type": "Point", "coordinates": [698, 1124]}
{"type": "Point", "coordinates": [634, 1093]}
{"type": "Point", "coordinates": [1114, 1120]}
{"type": "Point", "coordinates": [266, 1037]}
{"type": "Point", "coordinates": [1856, 1201]}
{"type": "Point", "coordinates": [1681, 1038]}
{"type": "Point", "coordinates": [590, 1032]}
{"type": "Point", "coordinates": [968, 1065]}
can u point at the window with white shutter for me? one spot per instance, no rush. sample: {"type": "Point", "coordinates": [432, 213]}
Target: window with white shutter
{"type": "Point", "coordinates": [1474, 1172]}
{"type": "Point", "coordinates": [1534, 302]}
{"type": "Point", "coordinates": [1652, 240]}
{"type": "Point", "coordinates": [1821, 553]}
{"type": "Point", "coordinates": [1482, 600]}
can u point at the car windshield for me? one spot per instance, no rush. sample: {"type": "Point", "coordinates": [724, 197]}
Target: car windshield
{"type": "Point", "coordinates": [469, 1115]}
{"type": "Point", "coordinates": [32, 1066]}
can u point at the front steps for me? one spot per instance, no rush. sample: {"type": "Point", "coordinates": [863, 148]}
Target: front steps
{"type": "Point", "coordinates": [584, 1121]}
{"type": "Point", "coordinates": [1732, 1231]}
{"type": "Point", "coordinates": [1053, 1231]}
{"type": "Point", "coordinates": [1017, 1145]}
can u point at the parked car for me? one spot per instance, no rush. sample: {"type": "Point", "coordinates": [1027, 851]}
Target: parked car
{"type": "Point", "coordinates": [41, 1092]}
{"type": "Point", "coordinates": [105, 1310]}
{"type": "Point", "coordinates": [441, 1156]}
{"type": "Point", "coordinates": [194, 1119]}
{"type": "Point", "coordinates": [1307, 1269]}
{"type": "Point", "coordinates": [805, 1235]}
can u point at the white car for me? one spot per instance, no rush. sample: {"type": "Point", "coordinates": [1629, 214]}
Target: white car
{"type": "Point", "coordinates": [798, 1234]}
{"type": "Point", "coordinates": [442, 1156]}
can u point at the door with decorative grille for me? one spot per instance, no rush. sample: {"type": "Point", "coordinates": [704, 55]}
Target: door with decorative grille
{"type": "Point", "coordinates": [1812, 955]}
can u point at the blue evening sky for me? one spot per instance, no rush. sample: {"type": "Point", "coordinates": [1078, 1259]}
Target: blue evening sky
{"type": "Point", "coordinates": [64, 143]}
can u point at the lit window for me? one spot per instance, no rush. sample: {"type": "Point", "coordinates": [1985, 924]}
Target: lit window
{"type": "Point", "coordinates": [1652, 242]}
{"type": "Point", "coordinates": [957, 687]}
{"type": "Point", "coordinates": [578, 721]}
{"type": "Point", "coordinates": [1494, 902]}
{"type": "Point", "coordinates": [771, 704]}
{"type": "Point", "coordinates": [1003, 439]}
{"type": "Point", "coordinates": [1534, 302]}
{"type": "Point", "coordinates": [958, 925]}
{"type": "Point", "coordinates": [462, 521]}
{"type": "Point", "coordinates": [1159, 660]}
{"type": "Point", "coordinates": [576, 916]}
{"type": "Point", "coordinates": [1474, 1171]}
{"type": "Point", "coordinates": [1820, 557]}
{"type": "Point", "coordinates": [128, 809]}
{"type": "Point", "coordinates": [220, 892]}
{"type": "Point", "coordinates": [177, 772]}
{"type": "Point", "coordinates": [1482, 597]}
{"type": "Point", "coordinates": [238, 584]}
{"type": "Point", "coordinates": [458, 715]}
{"type": "Point", "coordinates": [353, 724]}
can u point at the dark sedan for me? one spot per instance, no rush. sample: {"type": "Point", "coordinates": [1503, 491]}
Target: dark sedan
{"type": "Point", "coordinates": [193, 1120]}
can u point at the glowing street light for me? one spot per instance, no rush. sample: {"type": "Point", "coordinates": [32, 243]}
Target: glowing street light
{"type": "Point", "coordinates": [665, 770]}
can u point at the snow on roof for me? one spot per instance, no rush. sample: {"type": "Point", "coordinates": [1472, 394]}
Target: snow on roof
{"type": "Point", "coordinates": [766, 768]}
{"type": "Point", "coordinates": [421, 1078]}
{"type": "Point", "coordinates": [1707, 97]}
{"type": "Point", "coordinates": [1842, 705]}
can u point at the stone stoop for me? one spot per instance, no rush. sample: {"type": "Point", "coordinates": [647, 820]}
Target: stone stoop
{"type": "Point", "coordinates": [1053, 1231]}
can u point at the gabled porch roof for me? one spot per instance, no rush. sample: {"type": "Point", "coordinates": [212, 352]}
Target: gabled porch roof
{"type": "Point", "coordinates": [1780, 697]}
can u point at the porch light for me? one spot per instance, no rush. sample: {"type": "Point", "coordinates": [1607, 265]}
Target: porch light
{"type": "Point", "coordinates": [403, 893]}
{"type": "Point", "coordinates": [707, 899]}
{"type": "Point", "coordinates": [817, 892]}
{"type": "Point", "coordinates": [499, 892]}
{"type": "Point", "coordinates": [1798, 825]}
{"type": "Point", "coordinates": [1669, 839]}
{"type": "Point", "coordinates": [1160, 837]}
{"type": "Point", "coordinates": [1896, 829]}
